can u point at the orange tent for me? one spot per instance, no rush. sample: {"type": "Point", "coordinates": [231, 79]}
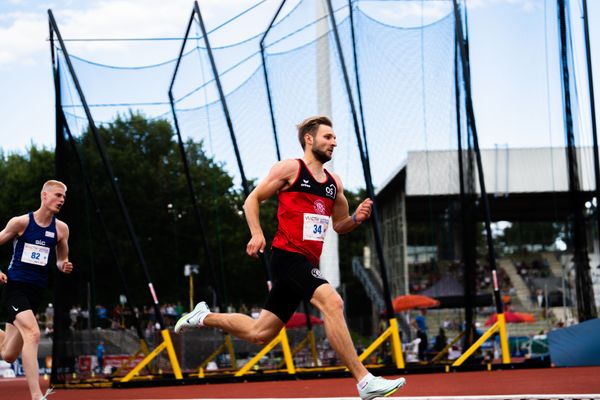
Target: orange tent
{"type": "Point", "coordinates": [412, 301]}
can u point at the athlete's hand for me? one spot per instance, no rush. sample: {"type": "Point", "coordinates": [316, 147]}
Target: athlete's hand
{"type": "Point", "coordinates": [3, 278]}
{"type": "Point", "coordinates": [256, 245]}
{"type": "Point", "coordinates": [363, 211]}
{"type": "Point", "coordinates": [67, 267]}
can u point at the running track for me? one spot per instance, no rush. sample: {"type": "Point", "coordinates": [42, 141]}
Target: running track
{"type": "Point", "coordinates": [546, 383]}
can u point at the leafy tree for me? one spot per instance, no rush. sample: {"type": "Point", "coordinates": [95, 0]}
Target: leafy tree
{"type": "Point", "coordinates": [147, 165]}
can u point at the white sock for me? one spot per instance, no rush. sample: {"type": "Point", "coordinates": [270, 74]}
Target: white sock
{"type": "Point", "coordinates": [364, 381]}
{"type": "Point", "coordinates": [201, 319]}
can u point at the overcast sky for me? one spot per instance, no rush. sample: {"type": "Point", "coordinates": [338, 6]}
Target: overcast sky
{"type": "Point", "coordinates": [514, 58]}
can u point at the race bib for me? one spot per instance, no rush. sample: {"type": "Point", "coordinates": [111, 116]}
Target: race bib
{"type": "Point", "coordinates": [315, 226]}
{"type": "Point", "coordinates": [34, 254]}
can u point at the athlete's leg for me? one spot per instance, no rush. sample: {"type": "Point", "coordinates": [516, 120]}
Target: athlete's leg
{"type": "Point", "coordinates": [30, 332]}
{"type": "Point", "coordinates": [12, 344]}
{"type": "Point", "coordinates": [258, 331]}
{"type": "Point", "coordinates": [329, 302]}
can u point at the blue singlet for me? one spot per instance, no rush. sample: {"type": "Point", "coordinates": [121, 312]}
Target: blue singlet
{"type": "Point", "coordinates": [32, 251]}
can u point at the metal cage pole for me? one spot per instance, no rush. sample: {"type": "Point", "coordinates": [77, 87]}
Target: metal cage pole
{"type": "Point", "coordinates": [263, 257]}
{"type": "Point", "coordinates": [392, 332]}
{"type": "Point", "coordinates": [500, 324]}
{"type": "Point", "coordinates": [219, 283]}
{"type": "Point", "coordinates": [266, 75]}
{"type": "Point", "coordinates": [274, 126]}
{"type": "Point", "coordinates": [585, 300]}
{"type": "Point", "coordinates": [367, 173]}
{"type": "Point", "coordinates": [61, 328]}
{"type": "Point", "coordinates": [107, 166]}
{"type": "Point", "coordinates": [282, 337]}
{"type": "Point", "coordinates": [472, 126]}
{"type": "Point", "coordinates": [143, 349]}
{"type": "Point", "coordinates": [358, 89]}
{"type": "Point", "coordinates": [467, 202]}
{"type": "Point", "coordinates": [468, 244]}
{"type": "Point", "coordinates": [586, 31]}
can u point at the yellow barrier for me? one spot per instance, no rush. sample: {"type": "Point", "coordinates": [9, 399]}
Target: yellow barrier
{"type": "Point", "coordinates": [500, 326]}
{"type": "Point", "coordinates": [227, 345]}
{"type": "Point", "coordinates": [287, 354]}
{"type": "Point", "coordinates": [166, 344]}
{"type": "Point", "coordinates": [390, 333]}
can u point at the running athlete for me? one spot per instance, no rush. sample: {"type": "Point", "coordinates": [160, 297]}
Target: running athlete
{"type": "Point", "coordinates": [36, 237]}
{"type": "Point", "coordinates": [310, 199]}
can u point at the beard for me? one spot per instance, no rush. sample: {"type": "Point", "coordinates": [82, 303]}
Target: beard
{"type": "Point", "coordinates": [321, 156]}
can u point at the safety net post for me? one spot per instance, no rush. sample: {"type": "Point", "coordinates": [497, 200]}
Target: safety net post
{"type": "Point", "coordinates": [117, 193]}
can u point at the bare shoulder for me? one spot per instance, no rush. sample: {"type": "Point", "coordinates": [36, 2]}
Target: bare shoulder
{"type": "Point", "coordinates": [62, 228]}
{"type": "Point", "coordinates": [289, 165]}
{"type": "Point", "coordinates": [15, 227]}
{"type": "Point", "coordinates": [285, 169]}
{"type": "Point", "coordinates": [19, 223]}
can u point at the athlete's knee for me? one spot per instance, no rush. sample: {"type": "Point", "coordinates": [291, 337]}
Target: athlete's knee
{"type": "Point", "coordinates": [31, 335]}
{"type": "Point", "coordinates": [10, 358]}
{"type": "Point", "coordinates": [8, 355]}
{"type": "Point", "coordinates": [333, 304]}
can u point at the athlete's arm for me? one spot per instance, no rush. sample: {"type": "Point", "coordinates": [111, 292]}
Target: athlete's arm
{"type": "Point", "coordinates": [15, 227]}
{"type": "Point", "coordinates": [279, 178]}
{"type": "Point", "coordinates": [62, 248]}
{"type": "Point", "coordinates": [343, 222]}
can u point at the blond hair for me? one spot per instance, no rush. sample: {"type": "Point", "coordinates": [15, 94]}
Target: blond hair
{"type": "Point", "coordinates": [310, 126]}
{"type": "Point", "coordinates": [53, 184]}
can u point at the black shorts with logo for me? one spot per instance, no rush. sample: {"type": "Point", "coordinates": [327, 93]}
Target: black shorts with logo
{"type": "Point", "coordinates": [18, 297]}
{"type": "Point", "coordinates": [294, 279]}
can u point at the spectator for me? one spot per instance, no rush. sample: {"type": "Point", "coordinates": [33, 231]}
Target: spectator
{"type": "Point", "coordinates": [100, 356]}
{"type": "Point", "coordinates": [420, 324]}
{"type": "Point", "coordinates": [102, 317]}
{"type": "Point", "coordinates": [49, 315]}
{"type": "Point", "coordinates": [440, 341]}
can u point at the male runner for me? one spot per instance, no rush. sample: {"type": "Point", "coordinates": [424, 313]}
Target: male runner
{"type": "Point", "coordinates": [36, 237]}
{"type": "Point", "coordinates": [308, 196]}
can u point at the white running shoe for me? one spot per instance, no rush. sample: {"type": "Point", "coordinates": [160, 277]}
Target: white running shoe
{"type": "Point", "coordinates": [192, 320]}
{"type": "Point", "coordinates": [379, 387]}
{"type": "Point", "coordinates": [48, 393]}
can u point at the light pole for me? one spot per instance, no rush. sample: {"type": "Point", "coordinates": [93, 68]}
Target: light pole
{"type": "Point", "coordinates": [191, 270]}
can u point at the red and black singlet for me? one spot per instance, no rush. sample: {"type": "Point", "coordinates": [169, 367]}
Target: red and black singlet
{"type": "Point", "coordinates": [303, 214]}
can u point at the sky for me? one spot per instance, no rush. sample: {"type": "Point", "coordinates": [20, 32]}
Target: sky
{"type": "Point", "coordinates": [514, 59]}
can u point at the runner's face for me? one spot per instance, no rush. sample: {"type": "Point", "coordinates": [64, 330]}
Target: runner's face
{"type": "Point", "coordinates": [324, 143]}
{"type": "Point", "coordinates": [53, 199]}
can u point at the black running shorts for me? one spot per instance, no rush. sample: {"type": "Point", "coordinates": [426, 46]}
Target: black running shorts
{"type": "Point", "coordinates": [294, 279]}
{"type": "Point", "coordinates": [18, 297]}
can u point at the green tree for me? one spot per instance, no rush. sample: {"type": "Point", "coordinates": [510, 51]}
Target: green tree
{"type": "Point", "coordinates": [147, 165]}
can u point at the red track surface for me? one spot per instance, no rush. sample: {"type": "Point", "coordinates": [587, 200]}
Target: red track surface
{"type": "Point", "coordinates": [581, 380]}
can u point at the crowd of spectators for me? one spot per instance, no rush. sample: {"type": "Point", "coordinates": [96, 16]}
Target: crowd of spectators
{"type": "Point", "coordinates": [426, 274]}
{"type": "Point", "coordinates": [122, 317]}
{"type": "Point", "coordinates": [533, 269]}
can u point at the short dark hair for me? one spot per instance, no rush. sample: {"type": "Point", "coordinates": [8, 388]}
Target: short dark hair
{"type": "Point", "coordinates": [310, 126]}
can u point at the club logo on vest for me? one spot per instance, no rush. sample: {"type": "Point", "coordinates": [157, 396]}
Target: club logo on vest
{"type": "Point", "coordinates": [316, 273]}
{"type": "Point", "coordinates": [330, 191]}
{"type": "Point", "coordinates": [320, 207]}
{"type": "Point", "coordinates": [40, 242]}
